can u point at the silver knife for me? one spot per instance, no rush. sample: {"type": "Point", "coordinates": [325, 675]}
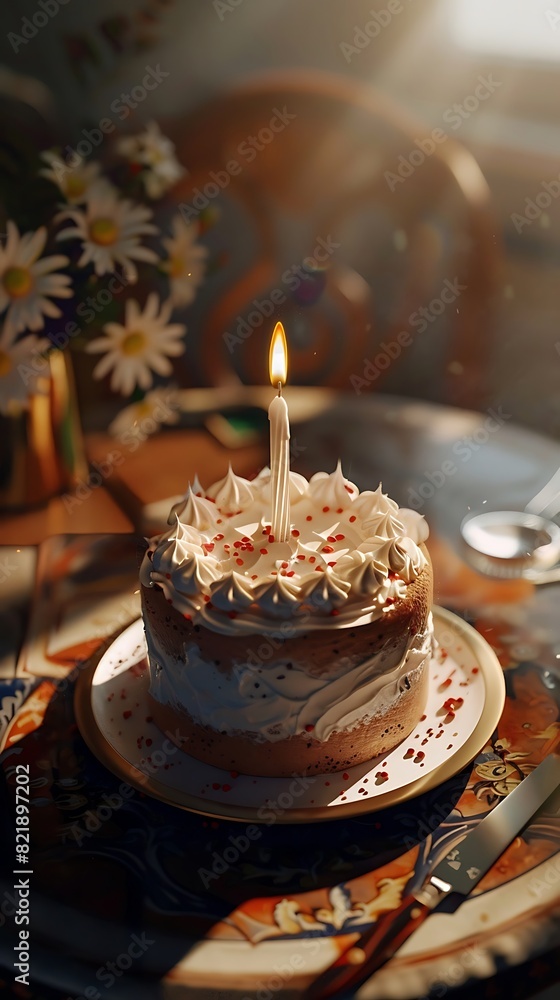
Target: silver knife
{"type": "Point", "coordinates": [458, 872]}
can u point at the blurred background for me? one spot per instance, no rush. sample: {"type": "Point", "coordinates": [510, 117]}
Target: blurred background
{"type": "Point", "coordinates": [410, 186]}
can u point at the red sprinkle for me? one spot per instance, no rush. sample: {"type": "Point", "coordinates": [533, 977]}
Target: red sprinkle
{"type": "Point", "coordinates": [127, 714]}
{"type": "Point", "coordinates": [263, 552]}
{"type": "Point", "coordinates": [419, 756]}
{"type": "Point", "coordinates": [309, 729]}
{"type": "Point", "coordinates": [334, 612]}
{"type": "Point", "coordinates": [226, 788]}
{"type": "Point", "coordinates": [474, 670]}
{"type": "Point", "coordinates": [346, 776]}
{"type": "Point", "coordinates": [232, 614]}
{"type": "Point", "coordinates": [234, 774]}
{"type": "Point", "coordinates": [295, 533]}
{"type": "Point", "coordinates": [339, 510]}
{"type": "Point", "coordinates": [187, 618]}
{"type": "Point", "coordinates": [339, 538]}
{"type": "Point", "coordinates": [326, 510]}
{"type": "Point", "coordinates": [312, 559]}
{"type": "Point", "coordinates": [285, 565]}
{"type": "Point", "coordinates": [408, 754]}
{"type": "Point", "coordinates": [327, 548]}
{"type": "Point", "coordinates": [209, 546]}
{"type": "Point", "coordinates": [331, 538]}
{"type": "Point", "coordinates": [215, 785]}
{"type": "Point", "coordinates": [452, 704]}
{"type": "Point", "coordinates": [381, 776]}
{"type": "Point", "coordinates": [331, 564]}
{"type": "Point", "coordinates": [352, 519]}
{"type": "Point", "coordinates": [301, 558]}
{"type": "Point", "coordinates": [239, 562]}
{"type": "Point", "coordinates": [309, 517]}
{"type": "Point", "coordinates": [271, 539]}
{"type": "Point", "coordinates": [218, 537]}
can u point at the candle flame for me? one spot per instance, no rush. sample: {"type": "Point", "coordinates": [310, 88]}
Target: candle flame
{"type": "Point", "coordinates": [278, 356]}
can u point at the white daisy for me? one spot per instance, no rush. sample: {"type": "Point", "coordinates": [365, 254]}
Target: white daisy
{"type": "Point", "coordinates": [110, 229]}
{"type": "Point", "coordinates": [76, 182]}
{"type": "Point", "coordinates": [185, 261]}
{"type": "Point", "coordinates": [156, 153]}
{"type": "Point", "coordinates": [143, 345]}
{"type": "Point", "coordinates": [18, 384]}
{"type": "Point", "coordinates": [26, 279]}
{"type": "Point", "coordinates": [139, 420]}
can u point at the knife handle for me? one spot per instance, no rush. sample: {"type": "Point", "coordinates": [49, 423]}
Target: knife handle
{"type": "Point", "coordinates": [371, 950]}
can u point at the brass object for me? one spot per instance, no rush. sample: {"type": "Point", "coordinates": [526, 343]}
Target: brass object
{"type": "Point", "coordinates": [41, 447]}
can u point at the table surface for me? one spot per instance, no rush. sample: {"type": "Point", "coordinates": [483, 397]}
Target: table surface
{"type": "Point", "coordinates": [102, 874]}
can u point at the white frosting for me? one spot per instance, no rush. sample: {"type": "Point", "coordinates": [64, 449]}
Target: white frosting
{"type": "Point", "coordinates": [348, 558]}
{"type": "Point", "coordinates": [274, 701]}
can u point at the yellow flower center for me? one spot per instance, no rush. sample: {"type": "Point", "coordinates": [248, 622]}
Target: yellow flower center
{"type": "Point", "coordinates": [17, 281]}
{"type": "Point", "coordinates": [75, 186]}
{"type": "Point", "coordinates": [5, 364]}
{"type": "Point", "coordinates": [104, 232]}
{"type": "Point", "coordinates": [176, 267]}
{"type": "Point", "coordinates": [133, 343]}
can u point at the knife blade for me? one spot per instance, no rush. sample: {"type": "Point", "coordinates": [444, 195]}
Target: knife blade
{"type": "Point", "coordinates": [459, 872]}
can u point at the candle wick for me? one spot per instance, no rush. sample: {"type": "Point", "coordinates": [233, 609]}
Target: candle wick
{"type": "Point", "coordinates": [279, 388]}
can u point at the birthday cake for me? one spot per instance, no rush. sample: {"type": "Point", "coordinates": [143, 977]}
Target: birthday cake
{"type": "Point", "coordinates": [273, 657]}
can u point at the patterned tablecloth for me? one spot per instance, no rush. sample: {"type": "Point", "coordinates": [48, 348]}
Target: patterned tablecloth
{"type": "Point", "coordinates": [110, 863]}
{"type": "Point", "coordinates": [127, 892]}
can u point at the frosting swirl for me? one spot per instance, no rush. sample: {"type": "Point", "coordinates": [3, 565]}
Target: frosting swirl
{"type": "Point", "coordinates": [232, 493]}
{"type": "Point", "coordinates": [348, 554]}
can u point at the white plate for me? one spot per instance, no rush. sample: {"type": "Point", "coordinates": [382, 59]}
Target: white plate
{"type": "Point", "coordinates": [114, 720]}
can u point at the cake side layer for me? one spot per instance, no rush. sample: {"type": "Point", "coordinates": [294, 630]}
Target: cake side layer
{"type": "Point", "coordinates": [271, 702]}
{"type": "Point", "coordinates": [297, 754]}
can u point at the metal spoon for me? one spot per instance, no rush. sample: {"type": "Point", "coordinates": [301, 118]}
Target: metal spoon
{"type": "Point", "coordinates": [509, 543]}
{"type": "Point", "coordinates": [512, 543]}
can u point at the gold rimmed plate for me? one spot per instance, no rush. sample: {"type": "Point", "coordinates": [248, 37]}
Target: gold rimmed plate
{"type": "Point", "coordinates": [114, 719]}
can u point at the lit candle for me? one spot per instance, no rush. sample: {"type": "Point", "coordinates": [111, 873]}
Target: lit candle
{"type": "Point", "coordinates": [279, 438]}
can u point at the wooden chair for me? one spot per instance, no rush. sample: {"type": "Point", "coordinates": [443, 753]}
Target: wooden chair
{"type": "Point", "coordinates": [323, 169]}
